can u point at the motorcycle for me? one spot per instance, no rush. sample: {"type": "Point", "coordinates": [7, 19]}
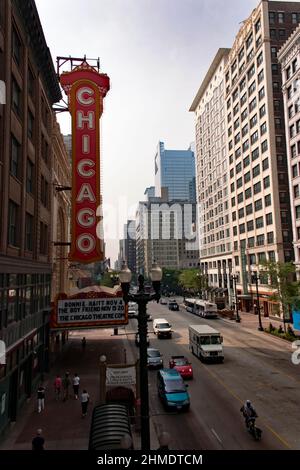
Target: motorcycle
{"type": "Point", "coordinates": [254, 430]}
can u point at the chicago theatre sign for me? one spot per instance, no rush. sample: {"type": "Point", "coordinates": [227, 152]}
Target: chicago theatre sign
{"type": "Point", "coordinates": [86, 89]}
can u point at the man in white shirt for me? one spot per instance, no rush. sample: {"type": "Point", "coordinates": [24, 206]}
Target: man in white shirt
{"type": "Point", "coordinates": [76, 382]}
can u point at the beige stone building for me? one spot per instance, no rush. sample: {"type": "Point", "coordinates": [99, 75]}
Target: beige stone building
{"type": "Point", "coordinates": [289, 58]}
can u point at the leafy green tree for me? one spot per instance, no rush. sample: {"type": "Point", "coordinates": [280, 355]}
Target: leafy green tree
{"type": "Point", "coordinates": [282, 278]}
{"type": "Point", "coordinates": [170, 280]}
{"type": "Point", "coordinates": [193, 281]}
{"type": "Point", "coordinates": [109, 279]}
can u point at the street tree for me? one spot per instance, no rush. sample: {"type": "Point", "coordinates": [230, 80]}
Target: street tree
{"type": "Point", "coordinates": [282, 278]}
{"type": "Point", "coordinates": [193, 280]}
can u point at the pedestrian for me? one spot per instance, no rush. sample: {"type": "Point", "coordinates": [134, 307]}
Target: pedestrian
{"type": "Point", "coordinates": [66, 383]}
{"type": "Point", "coordinates": [76, 382]}
{"type": "Point", "coordinates": [41, 398]}
{"type": "Point", "coordinates": [38, 441]}
{"type": "Point", "coordinates": [83, 343]}
{"type": "Point", "coordinates": [57, 386]}
{"type": "Point", "coordinates": [84, 402]}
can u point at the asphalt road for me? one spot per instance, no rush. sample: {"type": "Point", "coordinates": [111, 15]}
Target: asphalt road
{"type": "Point", "coordinates": [256, 367]}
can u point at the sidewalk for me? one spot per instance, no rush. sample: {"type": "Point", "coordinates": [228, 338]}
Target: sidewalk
{"type": "Point", "coordinates": [61, 422]}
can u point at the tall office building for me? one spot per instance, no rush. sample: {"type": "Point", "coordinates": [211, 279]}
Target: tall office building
{"type": "Point", "coordinates": [130, 244]}
{"type": "Point", "coordinates": [27, 155]}
{"type": "Point", "coordinates": [259, 188]}
{"type": "Point", "coordinates": [175, 170]}
{"type": "Point", "coordinates": [212, 176]}
{"type": "Point", "coordinates": [289, 58]}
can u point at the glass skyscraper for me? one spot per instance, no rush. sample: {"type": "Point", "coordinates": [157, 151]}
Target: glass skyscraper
{"type": "Point", "coordinates": [175, 170]}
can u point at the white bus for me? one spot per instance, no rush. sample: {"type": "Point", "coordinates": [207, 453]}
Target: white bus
{"type": "Point", "coordinates": [201, 308]}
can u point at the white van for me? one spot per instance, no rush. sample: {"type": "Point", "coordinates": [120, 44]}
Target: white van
{"type": "Point", "coordinates": [162, 328]}
{"type": "Point", "coordinates": [206, 343]}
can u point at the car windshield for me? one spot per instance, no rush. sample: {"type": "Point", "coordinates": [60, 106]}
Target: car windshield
{"type": "Point", "coordinates": [174, 386]}
{"type": "Point", "coordinates": [153, 353]}
{"type": "Point", "coordinates": [215, 340]}
{"type": "Point", "coordinates": [205, 340]}
{"type": "Point", "coordinates": [163, 326]}
{"type": "Point", "coordinates": [181, 362]}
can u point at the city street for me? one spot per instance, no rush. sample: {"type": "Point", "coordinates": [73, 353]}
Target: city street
{"type": "Point", "coordinates": [256, 367]}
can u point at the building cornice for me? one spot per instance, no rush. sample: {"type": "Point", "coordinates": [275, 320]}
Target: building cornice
{"type": "Point", "coordinates": [222, 52]}
{"type": "Point", "coordinates": [289, 47]}
{"type": "Point", "coordinates": [31, 21]}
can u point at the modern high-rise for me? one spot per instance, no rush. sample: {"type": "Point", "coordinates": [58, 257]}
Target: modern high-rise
{"type": "Point", "coordinates": [258, 175]}
{"type": "Point", "coordinates": [175, 170]}
{"type": "Point", "coordinates": [289, 58]}
{"type": "Point", "coordinates": [212, 176]}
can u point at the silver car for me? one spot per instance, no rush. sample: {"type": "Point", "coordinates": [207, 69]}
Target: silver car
{"type": "Point", "coordinates": [154, 358]}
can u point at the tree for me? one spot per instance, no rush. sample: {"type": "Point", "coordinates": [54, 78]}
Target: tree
{"type": "Point", "coordinates": [282, 278]}
{"type": "Point", "coordinates": [170, 280]}
{"type": "Point", "coordinates": [109, 279]}
{"type": "Point", "coordinates": [193, 280]}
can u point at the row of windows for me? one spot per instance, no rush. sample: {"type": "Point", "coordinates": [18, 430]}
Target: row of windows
{"type": "Point", "coordinates": [14, 229]}
{"type": "Point", "coordinates": [248, 192]}
{"type": "Point", "coordinates": [258, 205]}
{"type": "Point", "coordinates": [250, 242]}
{"type": "Point", "coordinates": [249, 226]}
{"type": "Point", "coordinates": [281, 17]}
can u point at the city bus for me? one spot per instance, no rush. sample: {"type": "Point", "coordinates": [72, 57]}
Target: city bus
{"type": "Point", "coordinates": [201, 308]}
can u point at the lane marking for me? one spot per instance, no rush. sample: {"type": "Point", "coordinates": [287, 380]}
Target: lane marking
{"type": "Point", "coordinates": [216, 435]}
{"type": "Point", "coordinates": [231, 392]}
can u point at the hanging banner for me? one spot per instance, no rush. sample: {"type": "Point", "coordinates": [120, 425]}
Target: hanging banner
{"type": "Point", "coordinates": [86, 89]}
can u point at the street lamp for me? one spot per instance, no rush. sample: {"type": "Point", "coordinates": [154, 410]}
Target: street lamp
{"type": "Point", "coordinates": [142, 298]}
{"type": "Point", "coordinates": [255, 279]}
{"type": "Point", "coordinates": [234, 279]}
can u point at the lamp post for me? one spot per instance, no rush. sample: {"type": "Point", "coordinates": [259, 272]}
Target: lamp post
{"type": "Point", "coordinates": [255, 279]}
{"type": "Point", "coordinates": [237, 317]}
{"type": "Point", "coordinates": [142, 298]}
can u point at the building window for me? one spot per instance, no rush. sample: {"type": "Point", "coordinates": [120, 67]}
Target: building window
{"type": "Point", "coordinates": [296, 191]}
{"type": "Point", "coordinates": [238, 168]}
{"type": "Point", "coordinates": [252, 259]}
{"type": "Point", "coordinates": [243, 99]}
{"type": "Point", "coordinates": [277, 107]}
{"type": "Point", "coordinates": [16, 47]}
{"type": "Point", "coordinates": [266, 182]}
{"type": "Point", "coordinates": [271, 17]}
{"type": "Point", "coordinates": [297, 209]}
{"type": "Point", "coordinates": [15, 158]}
{"type": "Point", "coordinates": [241, 213]}
{"type": "Point", "coordinates": [294, 65]}
{"type": "Point", "coordinates": [247, 177]}
{"type": "Point", "coordinates": [275, 69]}
{"type": "Point", "coordinates": [291, 111]}
{"type": "Point", "coordinates": [295, 18]}
{"type": "Point", "coordinates": [258, 205]}
{"type": "Point", "coordinates": [29, 232]}
{"type": "Point", "coordinates": [13, 223]}
{"type": "Point", "coordinates": [259, 59]}
{"type": "Point", "coordinates": [263, 128]}
{"type": "Point", "coordinates": [256, 171]}
{"type": "Point", "coordinates": [29, 176]}
{"type": "Point", "coordinates": [16, 97]}
{"type": "Point", "coordinates": [280, 17]}
{"type": "Point", "coordinates": [276, 87]}
{"type": "Point", "coordinates": [250, 242]}
{"type": "Point", "coordinates": [281, 34]}
{"type": "Point", "coordinates": [273, 34]}
{"type": "Point", "coordinates": [253, 121]}
{"type": "Point", "coordinates": [43, 238]}
{"type": "Point", "coordinates": [285, 236]}
{"type": "Point", "coordinates": [244, 114]}
{"type": "Point", "coordinates": [240, 198]}
{"type": "Point", "coordinates": [250, 225]}
{"type": "Point", "coordinates": [268, 200]}
{"type": "Point", "coordinates": [249, 209]}
{"type": "Point", "coordinates": [44, 191]}
{"type": "Point", "coordinates": [294, 171]}
{"type": "Point", "coordinates": [284, 217]}
{"type": "Point", "coordinates": [250, 73]}
{"type": "Point", "coordinates": [245, 145]}
{"type": "Point", "coordinates": [257, 25]}
{"type": "Point", "coordinates": [255, 154]}
{"type": "Point", "coordinates": [242, 228]}
{"type": "Point", "coordinates": [269, 218]}
{"type": "Point", "coordinates": [279, 141]}
{"type": "Point", "coordinates": [241, 54]}
{"type": "Point", "coordinates": [239, 183]}
{"type": "Point", "coordinates": [264, 146]}
{"type": "Point", "coordinates": [254, 137]}
{"type": "Point", "coordinates": [246, 162]}
{"type": "Point", "coordinates": [252, 105]}
{"type": "Point", "coordinates": [248, 193]}
{"type": "Point", "coordinates": [261, 93]}
{"type": "Point", "coordinates": [260, 76]}
{"type": "Point", "coordinates": [249, 41]}
{"type": "Point", "coordinates": [30, 83]}
{"type": "Point", "coordinates": [265, 164]}
{"type": "Point", "coordinates": [273, 52]}
{"type": "Point", "coordinates": [235, 230]}
{"type": "Point", "coordinates": [259, 222]}
{"type": "Point", "coordinates": [30, 125]}
{"type": "Point", "coordinates": [270, 237]}
{"type": "Point", "coordinates": [257, 188]}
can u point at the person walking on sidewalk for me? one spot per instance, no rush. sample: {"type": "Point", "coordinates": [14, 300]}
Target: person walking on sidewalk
{"type": "Point", "coordinates": [57, 387]}
{"type": "Point", "coordinates": [41, 398]}
{"type": "Point", "coordinates": [38, 441]}
{"type": "Point", "coordinates": [76, 382]}
{"type": "Point", "coordinates": [83, 343]}
{"type": "Point", "coordinates": [84, 402]}
{"type": "Point", "coordinates": [66, 384]}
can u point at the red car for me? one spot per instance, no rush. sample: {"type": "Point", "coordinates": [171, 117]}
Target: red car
{"type": "Point", "coordinates": [182, 365]}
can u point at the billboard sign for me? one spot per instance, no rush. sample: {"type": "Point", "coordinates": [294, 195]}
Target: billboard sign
{"type": "Point", "coordinates": [89, 310]}
{"type": "Point", "coordinates": [86, 89]}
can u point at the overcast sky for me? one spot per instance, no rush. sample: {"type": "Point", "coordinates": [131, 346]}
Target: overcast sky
{"type": "Point", "coordinates": [156, 53]}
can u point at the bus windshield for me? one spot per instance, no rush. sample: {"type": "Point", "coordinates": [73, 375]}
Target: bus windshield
{"type": "Point", "coordinates": [210, 340]}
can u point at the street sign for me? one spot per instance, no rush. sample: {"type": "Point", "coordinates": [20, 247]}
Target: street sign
{"type": "Point", "coordinates": [121, 376]}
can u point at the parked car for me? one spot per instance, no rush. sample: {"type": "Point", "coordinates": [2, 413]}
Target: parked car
{"type": "Point", "coordinates": [137, 339]}
{"type": "Point", "coordinates": [173, 305]}
{"type": "Point", "coordinates": [163, 301]}
{"type": "Point", "coordinates": [172, 390]}
{"type": "Point", "coordinates": [182, 365]}
{"type": "Point", "coordinates": [154, 358]}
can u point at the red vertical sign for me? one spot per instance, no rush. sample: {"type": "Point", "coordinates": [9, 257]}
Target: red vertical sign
{"type": "Point", "coordinates": [86, 89]}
